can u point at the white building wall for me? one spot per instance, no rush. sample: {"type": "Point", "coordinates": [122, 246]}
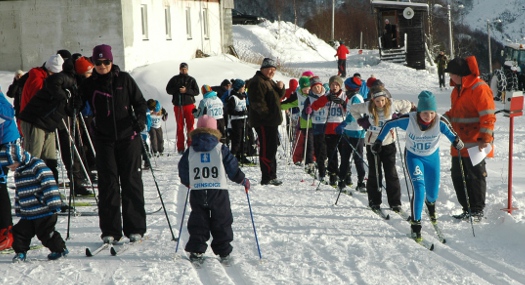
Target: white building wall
{"type": "Point", "coordinates": [32, 30]}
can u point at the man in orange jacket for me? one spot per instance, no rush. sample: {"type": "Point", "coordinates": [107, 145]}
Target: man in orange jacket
{"type": "Point", "coordinates": [472, 115]}
{"type": "Point", "coordinates": [342, 51]}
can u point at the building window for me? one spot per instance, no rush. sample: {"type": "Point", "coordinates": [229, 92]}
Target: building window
{"type": "Point", "coordinates": [205, 27]}
{"type": "Point", "coordinates": [167, 19]}
{"type": "Point", "coordinates": [188, 23]}
{"type": "Point", "coordinates": [144, 18]}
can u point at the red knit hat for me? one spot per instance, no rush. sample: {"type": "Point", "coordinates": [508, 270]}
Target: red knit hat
{"type": "Point", "coordinates": [370, 81]}
{"type": "Point", "coordinates": [83, 65]}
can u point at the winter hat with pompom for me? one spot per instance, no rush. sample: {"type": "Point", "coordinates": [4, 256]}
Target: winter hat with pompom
{"type": "Point", "coordinates": [353, 83]}
{"type": "Point", "coordinates": [315, 80]}
{"type": "Point", "coordinates": [207, 122]}
{"type": "Point", "coordinates": [308, 74]}
{"type": "Point", "coordinates": [83, 65]}
{"type": "Point", "coordinates": [427, 102]}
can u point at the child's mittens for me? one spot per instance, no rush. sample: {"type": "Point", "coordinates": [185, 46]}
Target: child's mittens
{"type": "Point", "coordinates": [308, 110]}
{"type": "Point", "coordinates": [458, 143]}
{"type": "Point", "coordinates": [340, 129]}
{"type": "Point", "coordinates": [246, 184]}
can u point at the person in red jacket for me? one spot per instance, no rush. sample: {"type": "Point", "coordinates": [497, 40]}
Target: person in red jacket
{"type": "Point", "coordinates": [472, 115]}
{"type": "Point", "coordinates": [342, 51]}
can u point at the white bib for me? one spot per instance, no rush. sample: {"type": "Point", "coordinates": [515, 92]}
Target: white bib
{"type": "Point", "coordinates": [206, 169]}
{"type": "Point", "coordinates": [422, 143]}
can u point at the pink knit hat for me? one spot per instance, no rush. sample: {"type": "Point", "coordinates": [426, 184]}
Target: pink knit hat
{"type": "Point", "coordinates": [207, 122]}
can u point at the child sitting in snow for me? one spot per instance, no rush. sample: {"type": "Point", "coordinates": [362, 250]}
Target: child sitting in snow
{"type": "Point", "coordinates": [158, 115]}
{"type": "Point", "coordinates": [204, 167]}
{"type": "Point", "coordinates": [36, 202]}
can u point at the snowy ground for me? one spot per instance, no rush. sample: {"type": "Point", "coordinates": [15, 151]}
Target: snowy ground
{"type": "Point", "coordinates": [304, 238]}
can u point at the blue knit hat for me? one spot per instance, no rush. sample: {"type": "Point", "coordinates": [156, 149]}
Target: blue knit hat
{"type": "Point", "coordinates": [353, 83]}
{"type": "Point", "coordinates": [238, 84]}
{"type": "Point", "coordinates": [427, 102]}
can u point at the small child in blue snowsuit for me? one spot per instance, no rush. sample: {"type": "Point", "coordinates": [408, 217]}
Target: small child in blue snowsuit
{"type": "Point", "coordinates": [36, 202]}
{"type": "Point", "coordinates": [158, 115]}
{"type": "Point", "coordinates": [204, 168]}
{"type": "Point", "coordinates": [423, 130]}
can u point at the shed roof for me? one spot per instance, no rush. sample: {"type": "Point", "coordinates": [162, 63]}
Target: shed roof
{"type": "Point", "coordinates": [399, 5]}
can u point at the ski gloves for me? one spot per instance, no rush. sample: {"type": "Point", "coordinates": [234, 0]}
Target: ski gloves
{"type": "Point", "coordinates": [376, 147]}
{"type": "Point", "coordinates": [458, 143]}
{"type": "Point", "coordinates": [246, 184]}
{"type": "Point", "coordinates": [308, 110]}
{"type": "Point", "coordinates": [340, 129]}
{"type": "Point", "coordinates": [336, 100]}
{"type": "Point", "coordinates": [364, 122]}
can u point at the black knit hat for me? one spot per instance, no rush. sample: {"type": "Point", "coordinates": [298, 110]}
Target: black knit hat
{"type": "Point", "coordinates": [458, 66]}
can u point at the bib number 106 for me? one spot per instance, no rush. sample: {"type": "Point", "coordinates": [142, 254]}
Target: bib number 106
{"type": "Point", "coordinates": [205, 172]}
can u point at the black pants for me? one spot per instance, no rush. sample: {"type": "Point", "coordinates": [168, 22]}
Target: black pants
{"type": "Point", "coordinates": [65, 155]}
{"type": "Point", "coordinates": [475, 178]}
{"type": "Point", "coordinates": [341, 67]}
{"type": "Point", "coordinates": [268, 142]}
{"type": "Point", "coordinates": [237, 136]}
{"type": "Point", "coordinates": [43, 228]}
{"type": "Point", "coordinates": [333, 144]}
{"type": "Point", "coordinates": [157, 140]}
{"type": "Point", "coordinates": [441, 76]}
{"type": "Point", "coordinates": [210, 213]}
{"type": "Point", "coordinates": [320, 154]}
{"type": "Point", "coordinates": [387, 158]}
{"type": "Point", "coordinates": [120, 161]}
{"type": "Point", "coordinates": [346, 150]}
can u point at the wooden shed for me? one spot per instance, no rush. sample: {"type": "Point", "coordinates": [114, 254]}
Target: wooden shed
{"type": "Point", "coordinates": [401, 31]}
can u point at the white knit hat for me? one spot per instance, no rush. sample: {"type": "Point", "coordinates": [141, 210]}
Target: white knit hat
{"type": "Point", "coordinates": [54, 63]}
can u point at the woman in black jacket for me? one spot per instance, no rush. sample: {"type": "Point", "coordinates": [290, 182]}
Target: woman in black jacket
{"type": "Point", "coordinates": [120, 115]}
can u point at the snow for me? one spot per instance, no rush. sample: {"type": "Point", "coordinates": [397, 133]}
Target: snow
{"type": "Point", "coordinates": [304, 238]}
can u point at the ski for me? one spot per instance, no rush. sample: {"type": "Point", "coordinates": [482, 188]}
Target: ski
{"type": "Point", "coordinates": [11, 250]}
{"type": "Point", "coordinates": [424, 243]}
{"type": "Point", "coordinates": [381, 213]}
{"type": "Point", "coordinates": [439, 234]}
{"type": "Point", "coordinates": [120, 249]}
{"type": "Point", "coordinates": [197, 263]}
{"type": "Point", "coordinates": [404, 215]}
{"type": "Point", "coordinates": [90, 253]}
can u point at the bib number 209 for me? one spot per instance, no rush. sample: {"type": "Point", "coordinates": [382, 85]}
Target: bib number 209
{"type": "Point", "coordinates": [205, 172]}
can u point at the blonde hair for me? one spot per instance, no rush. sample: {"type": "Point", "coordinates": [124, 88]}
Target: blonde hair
{"type": "Point", "coordinates": [374, 110]}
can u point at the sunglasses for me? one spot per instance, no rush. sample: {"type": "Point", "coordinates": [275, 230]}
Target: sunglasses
{"type": "Point", "coordinates": [99, 62]}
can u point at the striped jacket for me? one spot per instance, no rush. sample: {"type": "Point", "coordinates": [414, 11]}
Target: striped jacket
{"type": "Point", "coordinates": [472, 112]}
{"type": "Point", "coordinates": [36, 193]}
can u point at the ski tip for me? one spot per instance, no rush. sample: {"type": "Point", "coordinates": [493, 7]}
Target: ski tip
{"type": "Point", "coordinates": [113, 251]}
{"type": "Point", "coordinates": [431, 248]}
{"type": "Point", "coordinates": [444, 241]}
{"type": "Point", "coordinates": [88, 252]}
{"type": "Point", "coordinates": [387, 217]}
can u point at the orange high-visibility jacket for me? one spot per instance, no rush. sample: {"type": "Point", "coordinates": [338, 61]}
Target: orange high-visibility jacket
{"type": "Point", "coordinates": [472, 112]}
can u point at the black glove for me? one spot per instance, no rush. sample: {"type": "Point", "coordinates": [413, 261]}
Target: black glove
{"type": "Point", "coordinates": [376, 147]}
{"type": "Point", "coordinates": [138, 125]}
{"type": "Point", "coordinates": [338, 100]}
{"type": "Point", "coordinates": [194, 111]}
{"type": "Point", "coordinates": [331, 97]}
{"type": "Point", "coordinates": [364, 122]}
{"type": "Point", "coordinates": [164, 114]}
{"type": "Point", "coordinates": [458, 143]}
{"type": "Point", "coordinates": [77, 102]}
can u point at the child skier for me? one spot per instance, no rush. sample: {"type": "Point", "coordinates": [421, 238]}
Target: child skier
{"type": "Point", "coordinates": [353, 140]}
{"type": "Point", "coordinates": [238, 112]}
{"type": "Point", "coordinates": [36, 202]}
{"type": "Point", "coordinates": [334, 102]}
{"type": "Point", "coordinates": [212, 106]}
{"type": "Point", "coordinates": [204, 167]}
{"type": "Point", "coordinates": [423, 130]}
{"type": "Point", "coordinates": [377, 112]}
{"type": "Point", "coordinates": [158, 115]}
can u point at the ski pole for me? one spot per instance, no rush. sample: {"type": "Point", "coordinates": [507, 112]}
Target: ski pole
{"type": "Point", "coordinates": [305, 138]}
{"type": "Point", "coordinates": [182, 219]}
{"type": "Point", "coordinates": [466, 192]}
{"type": "Point", "coordinates": [376, 162]}
{"type": "Point", "coordinates": [134, 116]}
{"type": "Point", "coordinates": [71, 176]}
{"type": "Point", "coordinates": [405, 172]}
{"type": "Point", "coordinates": [253, 223]}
